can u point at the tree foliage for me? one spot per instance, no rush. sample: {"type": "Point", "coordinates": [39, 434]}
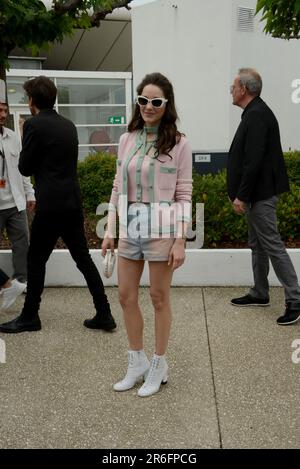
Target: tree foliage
{"type": "Point", "coordinates": [282, 17]}
{"type": "Point", "coordinates": [28, 24]}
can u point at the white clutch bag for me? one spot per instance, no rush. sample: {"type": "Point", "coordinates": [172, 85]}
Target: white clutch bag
{"type": "Point", "coordinates": [109, 263]}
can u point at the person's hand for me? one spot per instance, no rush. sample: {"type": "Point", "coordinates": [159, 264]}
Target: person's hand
{"type": "Point", "coordinates": [177, 254]}
{"type": "Point", "coordinates": [30, 205]}
{"type": "Point", "coordinates": [107, 243]}
{"type": "Point", "coordinates": [238, 206]}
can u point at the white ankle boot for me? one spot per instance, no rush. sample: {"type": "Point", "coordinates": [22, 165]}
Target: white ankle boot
{"type": "Point", "coordinates": [138, 366]}
{"type": "Point", "coordinates": [157, 375]}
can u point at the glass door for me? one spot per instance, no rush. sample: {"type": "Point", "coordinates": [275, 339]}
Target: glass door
{"type": "Point", "coordinates": [20, 116]}
{"type": "Point", "coordinates": [16, 119]}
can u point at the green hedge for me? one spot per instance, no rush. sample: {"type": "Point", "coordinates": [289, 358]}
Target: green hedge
{"type": "Point", "coordinates": [96, 174]}
{"type": "Point", "coordinates": [223, 225]}
{"type": "Point", "coordinates": [292, 161]}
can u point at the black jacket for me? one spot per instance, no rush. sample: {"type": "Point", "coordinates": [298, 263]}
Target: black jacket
{"type": "Point", "coordinates": [256, 169]}
{"type": "Point", "coordinates": [50, 154]}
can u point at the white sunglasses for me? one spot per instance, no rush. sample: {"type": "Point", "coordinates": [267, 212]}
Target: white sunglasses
{"type": "Point", "coordinates": [155, 102]}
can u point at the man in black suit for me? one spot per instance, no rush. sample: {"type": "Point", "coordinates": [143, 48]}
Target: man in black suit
{"type": "Point", "coordinates": [50, 153]}
{"type": "Point", "coordinates": [256, 175]}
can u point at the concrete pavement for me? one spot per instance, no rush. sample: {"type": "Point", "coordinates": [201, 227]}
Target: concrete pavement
{"type": "Point", "coordinates": [232, 381]}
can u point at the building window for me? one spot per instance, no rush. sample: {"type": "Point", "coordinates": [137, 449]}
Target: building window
{"type": "Point", "coordinates": [99, 107]}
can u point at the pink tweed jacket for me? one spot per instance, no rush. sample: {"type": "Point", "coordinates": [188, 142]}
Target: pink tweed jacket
{"type": "Point", "coordinates": [170, 179]}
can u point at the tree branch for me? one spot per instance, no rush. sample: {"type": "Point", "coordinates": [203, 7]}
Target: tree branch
{"type": "Point", "coordinates": [67, 7]}
{"type": "Point", "coordinates": [72, 5]}
{"type": "Point", "coordinates": [100, 14]}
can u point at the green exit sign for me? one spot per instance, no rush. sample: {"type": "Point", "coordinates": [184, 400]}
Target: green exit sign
{"type": "Point", "coordinates": [116, 120]}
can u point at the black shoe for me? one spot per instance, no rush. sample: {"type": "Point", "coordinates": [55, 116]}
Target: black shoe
{"type": "Point", "coordinates": [289, 317]}
{"type": "Point", "coordinates": [105, 322]}
{"type": "Point", "coordinates": [20, 325]}
{"type": "Point", "coordinates": [249, 300]}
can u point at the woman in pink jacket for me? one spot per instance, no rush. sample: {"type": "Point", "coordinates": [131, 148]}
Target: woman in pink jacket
{"type": "Point", "coordinates": [152, 195]}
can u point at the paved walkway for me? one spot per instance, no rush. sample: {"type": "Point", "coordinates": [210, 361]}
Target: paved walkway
{"type": "Point", "coordinates": [232, 380]}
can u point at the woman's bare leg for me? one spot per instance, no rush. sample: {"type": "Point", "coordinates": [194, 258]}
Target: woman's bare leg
{"type": "Point", "coordinates": [160, 282]}
{"type": "Point", "coordinates": [129, 275]}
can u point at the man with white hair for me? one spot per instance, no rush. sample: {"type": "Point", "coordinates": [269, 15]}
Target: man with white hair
{"type": "Point", "coordinates": [256, 175]}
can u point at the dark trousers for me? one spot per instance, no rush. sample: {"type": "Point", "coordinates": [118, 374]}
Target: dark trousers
{"type": "Point", "coordinates": [266, 244]}
{"type": "Point", "coordinates": [3, 278]}
{"type": "Point", "coordinates": [47, 227]}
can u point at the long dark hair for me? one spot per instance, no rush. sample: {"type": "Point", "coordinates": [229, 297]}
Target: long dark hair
{"type": "Point", "coordinates": [168, 135]}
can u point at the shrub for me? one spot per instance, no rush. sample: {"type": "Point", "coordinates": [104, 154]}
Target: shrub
{"type": "Point", "coordinates": [288, 211]}
{"type": "Point", "coordinates": [222, 225]}
{"type": "Point", "coordinates": [292, 161]}
{"type": "Point", "coordinates": [96, 175]}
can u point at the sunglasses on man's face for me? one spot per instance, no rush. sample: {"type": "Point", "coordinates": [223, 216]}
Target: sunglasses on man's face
{"type": "Point", "coordinates": [155, 102]}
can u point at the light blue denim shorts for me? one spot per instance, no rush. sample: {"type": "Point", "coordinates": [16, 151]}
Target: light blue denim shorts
{"type": "Point", "coordinates": [139, 245]}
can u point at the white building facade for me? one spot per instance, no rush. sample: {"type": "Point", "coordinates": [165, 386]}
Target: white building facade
{"type": "Point", "coordinates": [200, 45]}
